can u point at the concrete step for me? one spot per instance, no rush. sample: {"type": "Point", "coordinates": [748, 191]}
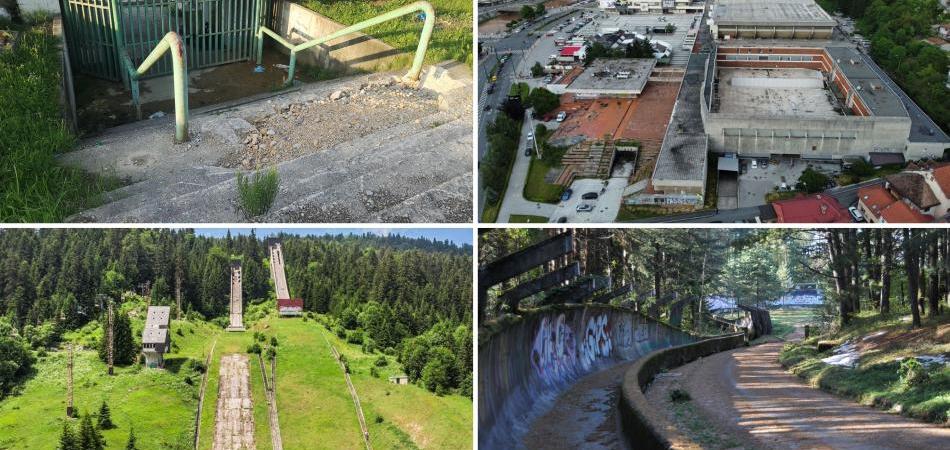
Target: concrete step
{"type": "Point", "coordinates": [410, 172]}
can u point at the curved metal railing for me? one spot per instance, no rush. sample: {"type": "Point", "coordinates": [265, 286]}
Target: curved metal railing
{"type": "Point", "coordinates": [172, 41]}
{"type": "Point", "coordinates": [413, 75]}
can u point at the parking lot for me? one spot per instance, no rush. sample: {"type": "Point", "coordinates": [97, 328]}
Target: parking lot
{"type": "Point", "coordinates": [607, 204]}
{"type": "Point", "coordinates": [760, 180]}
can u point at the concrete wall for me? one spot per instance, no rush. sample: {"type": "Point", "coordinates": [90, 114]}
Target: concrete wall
{"type": "Point", "coordinates": [523, 367]}
{"type": "Point", "coordinates": [298, 24]}
{"type": "Point", "coordinates": [643, 426]}
{"type": "Point", "coordinates": [918, 150]}
{"type": "Point", "coordinates": [861, 135]}
{"type": "Point", "coordinates": [28, 6]}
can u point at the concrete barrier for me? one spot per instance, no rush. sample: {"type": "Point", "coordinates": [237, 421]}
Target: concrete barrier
{"type": "Point", "coordinates": [299, 24]}
{"type": "Point", "coordinates": [643, 426]}
{"type": "Point", "coordinates": [527, 362]}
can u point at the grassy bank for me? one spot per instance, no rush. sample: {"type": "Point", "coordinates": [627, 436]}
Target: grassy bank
{"type": "Point", "coordinates": [536, 189]}
{"type": "Point", "coordinates": [451, 40]}
{"type": "Point", "coordinates": [877, 380]}
{"type": "Point", "coordinates": [33, 186]}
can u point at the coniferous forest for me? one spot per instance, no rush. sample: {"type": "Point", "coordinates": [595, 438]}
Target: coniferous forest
{"type": "Point", "coordinates": [409, 297]}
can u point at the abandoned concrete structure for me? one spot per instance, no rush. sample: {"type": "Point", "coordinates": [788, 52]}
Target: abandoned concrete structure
{"type": "Point", "coordinates": [781, 19]}
{"type": "Point", "coordinates": [156, 341]}
{"type": "Point", "coordinates": [237, 302]}
{"type": "Point", "coordinates": [289, 307]}
{"type": "Point", "coordinates": [399, 379]}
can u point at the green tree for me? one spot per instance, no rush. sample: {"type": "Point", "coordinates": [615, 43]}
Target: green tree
{"type": "Point", "coordinates": [68, 439]}
{"type": "Point", "coordinates": [105, 417]}
{"type": "Point", "coordinates": [812, 181]}
{"type": "Point", "coordinates": [543, 101]}
{"type": "Point", "coordinates": [537, 70]}
{"type": "Point", "coordinates": [16, 359]}
{"type": "Point", "coordinates": [439, 373]}
{"type": "Point", "coordinates": [89, 437]}
{"type": "Point", "coordinates": [126, 351]}
{"type": "Point", "coordinates": [130, 445]}
{"type": "Point", "coordinates": [527, 12]}
{"type": "Point", "coordinates": [539, 10]}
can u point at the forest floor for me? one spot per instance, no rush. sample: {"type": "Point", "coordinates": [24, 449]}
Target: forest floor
{"type": "Point", "coordinates": [745, 398]}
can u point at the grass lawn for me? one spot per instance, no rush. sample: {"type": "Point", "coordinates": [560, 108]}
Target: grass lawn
{"type": "Point", "coordinates": [876, 381]}
{"type": "Point", "coordinates": [785, 320]}
{"type": "Point", "coordinates": [522, 218]}
{"type": "Point", "coordinates": [33, 186]}
{"type": "Point", "coordinates": [160, 404]}
{"type": "Point", "coordinates": [634, 212]}
{"type": "Point", "coordinates": [412, 417]}
{"type": "Point", "coordinates": [451, 39]}
{"type": "Point", "coordinates": [536, 189]}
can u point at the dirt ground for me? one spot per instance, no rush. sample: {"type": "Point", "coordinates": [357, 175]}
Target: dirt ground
{"type": "Point", "coordinates": [497, 24]}
{"type": "Point", "coordinates": [339, 118]}
{"type": "Point", "coordinates": [234, 418]}
{"type": "Point", "coordinates": [744, 395]}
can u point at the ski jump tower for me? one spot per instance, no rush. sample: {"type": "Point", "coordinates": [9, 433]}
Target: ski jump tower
{"type": "Point", "coordinates": [237, 305]}
{"type": "Point", "coordinates": [277, 270]}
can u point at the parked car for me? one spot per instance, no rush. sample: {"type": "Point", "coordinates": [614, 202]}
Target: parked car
{"type": "Point", "coordinates": [487, 106]}
{"type": "Point", "coordinates": [586, 207]}
{"type": "Point", "coordinates": [527, 151]}
{"type": "Point", "coordinates": [561, 116]}
{"type": "Point", "coordinates": [755, 164]}
{"type": "Point", "coordinates": [589, 196]}
{"type": "Point", "coordinates": [530, 136]}
{"type": "Point", "coordinates": [491, 88]}
{"type": "Point", "coordinates": [566, 195]}
{"type": "Point", "coordinates": [856, 214]}
{"type": "Point", "coordinates": [561, 219]}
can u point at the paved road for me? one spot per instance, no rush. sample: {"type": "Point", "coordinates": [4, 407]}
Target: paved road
{"type": "Point", "coordinates": [747, 394]}
{"type": "Point", "coordinates": [514, 201]}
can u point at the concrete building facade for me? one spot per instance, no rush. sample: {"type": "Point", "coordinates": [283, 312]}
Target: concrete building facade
{"type": "Point", "coordinates": [779, 19]}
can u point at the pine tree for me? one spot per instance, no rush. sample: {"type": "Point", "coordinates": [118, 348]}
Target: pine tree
{"type": "Point", "coordinates": [105, 417]}
{"type": "Point", "coordinates": [68, 440]}
{"type": "Point", "coordinates": [131, 444]}
{"type": "Point", "coordinates": [126, 351]}
{"type": "Point", "coordinates": [89, 437]}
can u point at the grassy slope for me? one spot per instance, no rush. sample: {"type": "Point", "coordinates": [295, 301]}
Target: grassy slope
{"type": "Point", "coordinates": [876, 381]}
{"type": "Point", "coordinates": [159, 403]}
{"type": "Point", "coordinates": [785, 320]}
{"type": "Point", "coordinates": [428, 420]}
{"type": "Point", "coordinates": [451, 39]}
{"type": "Point", "coordinates": [536, 189]}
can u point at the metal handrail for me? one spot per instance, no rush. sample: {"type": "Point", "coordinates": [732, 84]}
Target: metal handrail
{"type": "Point", "coordinates": [171, 41]}
{"type": "Point", "coordinates": [414, 71]}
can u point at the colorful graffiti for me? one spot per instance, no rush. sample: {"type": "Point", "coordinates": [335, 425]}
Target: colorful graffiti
{"type": "Point", "coordinates": [554, 352]}
{"type": "Point", "coordinates": [596, 341]}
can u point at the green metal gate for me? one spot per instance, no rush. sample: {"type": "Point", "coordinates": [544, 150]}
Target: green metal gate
{"type": "Point", "coordinates": [214, 32]}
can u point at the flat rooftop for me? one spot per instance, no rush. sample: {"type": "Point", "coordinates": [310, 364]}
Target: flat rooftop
{"type": "Point", "coordinates": [683, 153]}
{"type": "Point", "coordinates": [874, 90]}
{"type": "Point", "coordinates": [774, 92]}
{"type": "Point", "coordinates": [776, 12]}
{"type": "Point", "coordinates": [601, 77]}
{"type": "Point", "coordinates": [638, 23]}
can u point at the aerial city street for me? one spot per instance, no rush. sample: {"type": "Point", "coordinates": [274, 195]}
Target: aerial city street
{"type": "Point", "coordinates": [707, 111]}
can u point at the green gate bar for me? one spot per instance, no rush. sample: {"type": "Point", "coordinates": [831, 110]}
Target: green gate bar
{"type": "Point", "coordinates": [414, 71]}
{"type": "Point", "coordinates": [172, 42]}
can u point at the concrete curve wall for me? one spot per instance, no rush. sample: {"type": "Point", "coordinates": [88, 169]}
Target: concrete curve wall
{"type": "Point", "coordinates": [524, 367]}
{"type": "Point", "coordinates": [643, 427]}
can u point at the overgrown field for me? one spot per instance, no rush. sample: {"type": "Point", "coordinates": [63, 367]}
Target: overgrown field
{"type": "Point", "coordinates": [33, 186]}
{"type": "Point", "coordinates": [451, 39]}
{"type": "Point", "coordinates": [879, 379]}
{"type": "Point", "coordinates": [160, 404]}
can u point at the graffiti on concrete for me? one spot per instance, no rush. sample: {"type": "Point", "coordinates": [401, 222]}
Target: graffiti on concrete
{"type": "Point", "coordinates": [596, 340]}
{"type": "Point", "coordinates": [554, 352]}
{"type": "Point", "coordinates": [641, 334]}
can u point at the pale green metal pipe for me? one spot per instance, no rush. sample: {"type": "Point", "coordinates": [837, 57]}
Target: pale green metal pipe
{"type": "Point", "coordinates": [414, 71]}
{"type": "Point", "coordinates": [172, 42]}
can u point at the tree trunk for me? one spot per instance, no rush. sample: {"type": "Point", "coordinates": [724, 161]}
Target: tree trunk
{"type": "Point", "coordinates": [933, 242]}
{"type": "Point", "coordinates": [886, 256]}
{"type": "Point", "coordinates": [839, 270]}
{"type": "Point", "coordinates": [913, 273]}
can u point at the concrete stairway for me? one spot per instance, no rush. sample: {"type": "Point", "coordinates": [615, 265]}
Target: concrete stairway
{"type": "Point", "coordinates": [418, 171]}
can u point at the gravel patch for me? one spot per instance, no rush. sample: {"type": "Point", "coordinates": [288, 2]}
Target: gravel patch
{"type": "Point", "coordinates": [300, 129]}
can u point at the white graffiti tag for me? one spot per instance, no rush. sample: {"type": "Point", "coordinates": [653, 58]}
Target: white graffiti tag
{"type": "Point", "coordinates": [554, 352]}
{"type": "Point", "coordinates": [596, 340]}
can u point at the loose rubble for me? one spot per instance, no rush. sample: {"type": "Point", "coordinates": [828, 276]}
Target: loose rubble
{"type": "Point", "coordinates": [299, 129]}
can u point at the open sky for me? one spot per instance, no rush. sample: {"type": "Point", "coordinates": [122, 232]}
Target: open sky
{"type": "Point", "coordinates": [459, 236]}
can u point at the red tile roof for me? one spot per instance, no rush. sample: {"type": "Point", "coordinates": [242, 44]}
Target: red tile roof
{"type": "Point", "coordinates": [289, 303]}
{"type": "Point", "coordinates": [810, 209]}
{"type": "Point", "coordinates": [899, 212]}
{"type": "Point", "coordinates": [570, 51]}
{"type": "Point", "coordinates": [942, 175]}
{"type": "Point", "coordinates": [875, 198]}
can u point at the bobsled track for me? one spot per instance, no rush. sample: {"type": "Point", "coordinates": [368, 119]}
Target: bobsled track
{"type": "Point", "coordinates": [552, 377]}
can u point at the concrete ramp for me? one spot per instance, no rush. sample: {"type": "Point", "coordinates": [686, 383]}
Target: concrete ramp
{"type": "Point", "coordinates": [526, 365]}
{"type": "Point", "coordinates": [277, 271]}
{"type": "Point", "coordinates": [234, 418]}
{"type": "Point", "coordinates": [356, 149]}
